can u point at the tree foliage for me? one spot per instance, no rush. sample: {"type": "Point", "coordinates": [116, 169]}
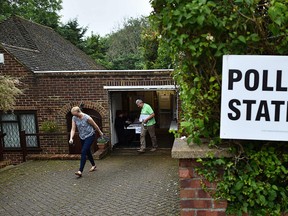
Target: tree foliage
{"type": "Point", "coordinates": [97, 47]}
{"type": "Point", "coordinates": [135, 45]}
{"type": "Point", "coordinates": [124, 44]}
{"type": "Point", "coordinates": [253, 182]}
{"type": "Point", "coordinates": [44, 12]}
{"type": "Point", "coordinates": [199, 33]}
{"type": "Point", "coordinates": [125, 48]}
{"type": "Point", "coordinates": [9, 90]}
{"type": "Point", "coordinates": [94, 45]}
{"type": "Point", "coordinates": [73, 32]}
{"type": "Point", "coordinates": [156, 54]}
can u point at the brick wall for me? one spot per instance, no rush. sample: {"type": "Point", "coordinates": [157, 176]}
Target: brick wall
{"type": "Point", "coordinates": [28, 101]}
{"type": "Point", "coordinates": [58, 93]}
{"type": "Point", "coordinates": [13, 68]}
{"type": "Point", "coordinates": [52, 95]}
{"type": "Point", "coordinates": [54, 144]}
{"type": "Point", "coordinates": [16, 157]}
{"type": "Point", "coordinates": [194, 201]}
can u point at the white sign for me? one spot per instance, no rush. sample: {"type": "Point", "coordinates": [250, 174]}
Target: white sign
{"type": "Point", "coordinates": [254, 98]}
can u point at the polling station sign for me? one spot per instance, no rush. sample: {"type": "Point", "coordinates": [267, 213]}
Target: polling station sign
{"type": "Point", "coordinates": [254, 103]}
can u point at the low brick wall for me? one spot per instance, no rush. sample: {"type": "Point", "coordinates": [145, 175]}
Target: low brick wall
{"type": "Point", "coordinates": [194, 201]}
{"type": "Point", "coordinates": [54, 144]}
{"type": "Point", "coordinates": [16, 157]}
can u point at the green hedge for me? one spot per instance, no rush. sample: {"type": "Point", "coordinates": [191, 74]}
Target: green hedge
{"type": "Point", "coordinates": [199, 33]}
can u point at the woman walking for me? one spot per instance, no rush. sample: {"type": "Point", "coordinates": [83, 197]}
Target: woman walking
{"type": "Point", "coordinates": [86, 127]}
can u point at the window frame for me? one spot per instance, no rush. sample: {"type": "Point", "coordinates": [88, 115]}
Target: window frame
{"type": "Point", "coordinates": [18, 113]}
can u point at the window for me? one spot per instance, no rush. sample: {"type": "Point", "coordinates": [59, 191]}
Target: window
{"type": "Point", "coordinates": [12, 123]}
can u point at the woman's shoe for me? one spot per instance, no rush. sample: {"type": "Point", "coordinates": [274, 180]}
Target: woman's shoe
{"type": "Point", "coordinates": [93, 168]}
{"type": "Point", "coordinates": [78, 173]}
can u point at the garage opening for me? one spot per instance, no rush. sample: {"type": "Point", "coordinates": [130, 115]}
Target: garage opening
{"type": "Point", "coordinates": [122, 103]}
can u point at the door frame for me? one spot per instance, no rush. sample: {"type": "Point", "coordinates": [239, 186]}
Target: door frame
{"type": "Point", "coordinates": [111, 89]}
{"type": "Point", "coordinates": [76, 148]}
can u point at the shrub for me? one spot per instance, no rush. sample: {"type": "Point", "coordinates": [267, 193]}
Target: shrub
{"type": "Point", "coordinates": [199, 33]}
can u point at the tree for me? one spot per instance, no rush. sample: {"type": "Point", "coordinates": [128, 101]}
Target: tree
{"type": "Point", "coordinates": [5, 9]}
{"type": "Point", "coordinates": [199, 33]}
{"type": "Point", "coordinates": [44, 12]}
{"type": "Point", "coordinates": [96, 47]}
{"type": "Point", "coordinates": [135, 45]}
{"type": "Point", "coordinates": [156, 54]}
{"type": "Point", "coordinates": [124, 45]}
{"type": "Point", "coordinates": [8, 92]}
{"type": "Point", "coordinates": [73, 32]}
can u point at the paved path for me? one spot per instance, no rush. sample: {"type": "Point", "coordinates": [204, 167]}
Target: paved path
{"type": "Point", "coordinates": [122, 185]}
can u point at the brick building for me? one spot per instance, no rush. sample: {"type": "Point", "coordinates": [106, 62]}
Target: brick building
{"type": "Point", "coordinates": [57, 76]}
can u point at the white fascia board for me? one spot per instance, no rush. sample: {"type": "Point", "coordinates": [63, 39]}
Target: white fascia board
{"type": "Point", "coordinates": [104, 71]}
{"type": "Point", "coordinates": [141, 88]}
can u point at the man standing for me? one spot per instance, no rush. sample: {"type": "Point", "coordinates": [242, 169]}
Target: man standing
{"type": "Point", "coordinates": [148, 124]}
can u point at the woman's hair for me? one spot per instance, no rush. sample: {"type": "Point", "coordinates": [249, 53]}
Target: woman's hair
{"type": "Point", "coordinates": [76, 109]}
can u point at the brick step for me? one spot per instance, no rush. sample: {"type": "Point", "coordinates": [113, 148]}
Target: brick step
{"type": "Point", "coordinates": [133, 151]}
{"type": "Point", "coordinates": [53, 157]}
{"type": "Point", "coordinates": [58, 157]}
{"type": "Point", "coordinates": [5, 163]}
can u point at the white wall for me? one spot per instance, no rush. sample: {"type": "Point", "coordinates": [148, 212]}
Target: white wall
{"type": "Point", "coordinates": [115, 104]}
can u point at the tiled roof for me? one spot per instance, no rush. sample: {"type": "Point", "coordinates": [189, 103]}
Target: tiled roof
{"type": "Point", "coordinates": [40, 48]}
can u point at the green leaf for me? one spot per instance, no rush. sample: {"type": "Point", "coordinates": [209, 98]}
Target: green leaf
{"type": "Point", "coordinates": [212, 79]}
{"type": "Point", "coordinates": [275, 187]}
{"type": "Point", "coordinates": [249, 2]}
{"type": "Point", "coordinates": [262, 199]}
{"type": "Point", "coordinates": [245, 207]}
{"type": "Point", "coordinates": [185, 124]}
{"type": "Point", "coordinates": [278, 22]}
{"type": "Point", "coordinates": [242, 38]}
{"type": "Point", "coordinates": [193, 91]}
{"type": "Point", "coordinates": [272, 195]}
{"type": "Point", "coordinates": [284, 170]}
{"type": "Point", "coordinates": [200, 19]}
{"type": "Point", "coordinates": [214, 46]}
{"type": "Point", "coordinates": [192, 47]}
{"type": "Point", "coordinates": [239, 185]}
{"type": "Point", "coordinates": [219, 161]}
{"type": "Point", "coordinates": [189, 140]}
{"type": "Point", "coordinates": [255, 37]}
{"type": "Point", "coordinates": [202, 2]}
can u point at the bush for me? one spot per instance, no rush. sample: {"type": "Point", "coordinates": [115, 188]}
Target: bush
{"type": "Point", "coordinates": [199, 33]}
{"type": "Point", "coordinates": [49, 126]}
{"type": "Point", "coordinates": [9, 90]}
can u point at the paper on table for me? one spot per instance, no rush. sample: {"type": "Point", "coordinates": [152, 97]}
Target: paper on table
{"type": "Point", "coordinates": [138, 130]}
{"type": "Point", "coordinates": [143, 117]}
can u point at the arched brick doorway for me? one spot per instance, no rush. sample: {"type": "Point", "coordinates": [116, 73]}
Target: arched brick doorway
{"type": "Point", "coordinates": [76, 148]}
